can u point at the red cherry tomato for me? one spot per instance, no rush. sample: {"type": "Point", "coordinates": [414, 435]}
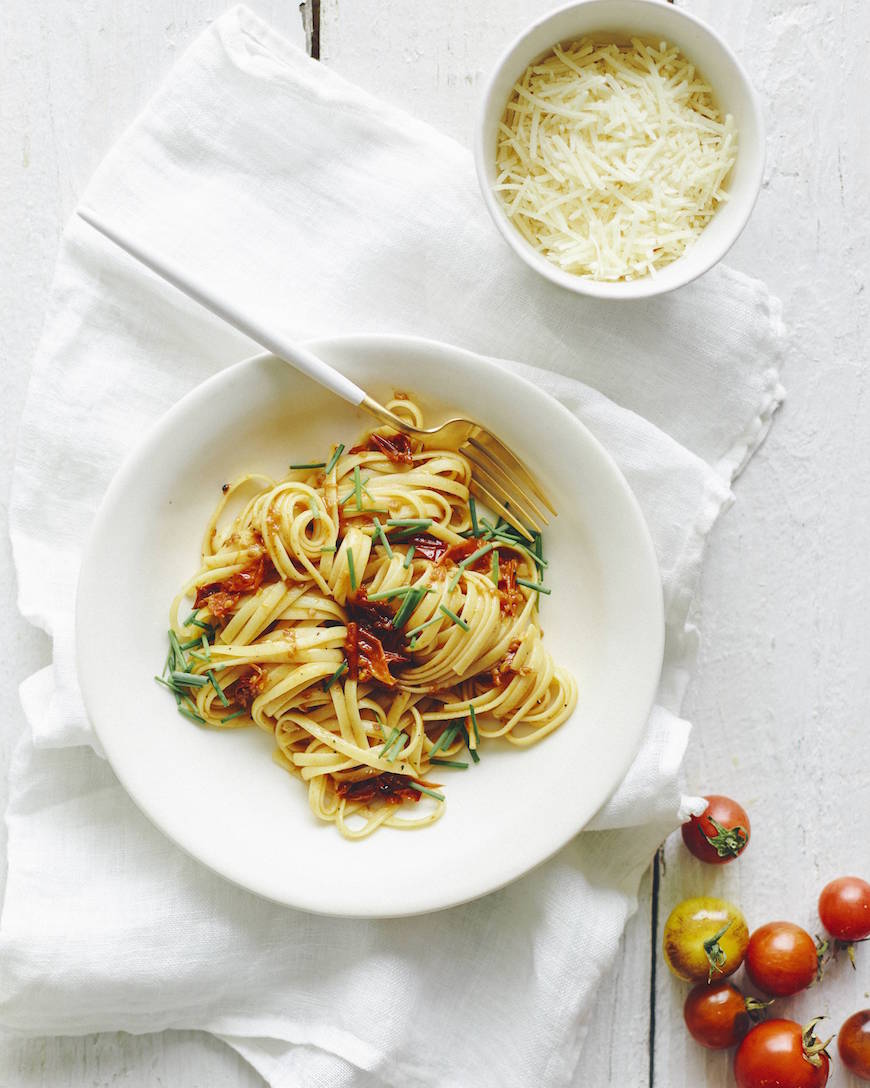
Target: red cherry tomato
{"type": "Point", "coordinates": [781, 1054]}
{"type": "Point", "coordinates": [717, 1015]}
{"type": "Point", "coordinates": [853, 1042]}
{"type": "Point", "coordinates": [781, 959]}
{"type": "Point", "coordinates": [720, 833]}
{"type": "Point", "coordinates": [844, 908]}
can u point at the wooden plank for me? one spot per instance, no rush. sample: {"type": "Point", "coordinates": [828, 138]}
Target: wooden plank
{"type": "Point", "coordinates": [71, 78]}
{"type": "Point", "coordinates": [782, 697]}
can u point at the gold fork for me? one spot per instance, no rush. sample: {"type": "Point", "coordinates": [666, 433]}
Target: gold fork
{"type": "Point", "coordinates": [498, 477]}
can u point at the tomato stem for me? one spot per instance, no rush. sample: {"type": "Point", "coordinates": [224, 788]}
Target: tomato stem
{"type": "Point", "coordinates": [728, 841]}
{"type": "Point", "coordinates": [755, 1008]}
{"type": "Point", "coordinates": [813, 1048]}
{"type": "Point", "coordinates": [716, 956]}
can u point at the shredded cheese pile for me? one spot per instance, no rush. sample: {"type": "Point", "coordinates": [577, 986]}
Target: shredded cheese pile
{"type": "Point", "coordinates": [613, 158]}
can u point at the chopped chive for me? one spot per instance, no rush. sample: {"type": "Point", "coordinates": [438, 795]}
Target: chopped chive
{"type": "Point", "coordinates": [188, 679]}
{"type": "Point", "coordinates": [189, 645]}
{"type": "Point", "coordinates": [474, 723]}
{"type": "Point", "coordinates": [536, 586]}
{"type": "Point", "coordinates": [178, 653]}
{"type": "Point", "coordinates": [542, 563]}
{"type": "Point", "coordinates": [412, 645]}
{"type": "Point", "coordinates": [452, 615]}
{"type": "Point", "coordinates": [329, 548]}
{"type": "Point", "coordinates": [309, 464]}
{"type": "Point", "coordinates": [189, 714]}
{"type": "Point", "coordinates": [487, 524]}
{"type": "Point", "coordinates": [207, 627]}
{"type": "Point", "coordinates": [351, 570]}
{"type": "Point", "coordinates": [472, 509]}
{"type": "Point", "coordinates": [449, 763]}
{"type": "Point", "coordinates": [445, 740]}
{"type": "Point", "coordinates": [409, 604]}
{"type": "Point", "coordinates": [237, 714]}
{"type": "Point", "coordinates": [206, 649]}
{"type": "Point", "coordinates": [336, 453]}
{"type": "Point", "coordinates": [357, 487]}
{"type": "Point", "coordinates": [385, 594]}
{"type": "Point", "coordinates": [399, 748]}
{"type": "Point", "coordinates": [479, 554]}
{"type": "Point", "coordinates": [409, 556]}
{"type": "Point", "coordinates": [418, 523]}
{"type": "Point", "coordinates": [221, 694]}
{"type": "Point", "coordinates": [368, 493]}
{"type": "Point", "coordinates": [339, 672]}
{"type": "Point", "coordinates": [175, 691]}
{"type": "Point", "coordinates": [191, 618]}
{"type": "Point", "coordinates": [313, 505]}
{"type": "Point", "coordinates": [349, 495]}
{"type": "Point", "coordinates": [424, 789]}
{"type": "Point", "coordinates": [539, 546]}
{"type": "Point", "coordinates": [391, 740]}
{"type": "Point", "coordinates": [471, 751]}
{"type": "Point", "coordinates": [374, 509]}
{"type": "Point", "coordinates": [382, 536]}
{"type": "Point", "coordinates": [169, 663]}
{"type": "Point", "coordinates": [421, 627]}
{"type": "Point", "coordinates": [494, 571]}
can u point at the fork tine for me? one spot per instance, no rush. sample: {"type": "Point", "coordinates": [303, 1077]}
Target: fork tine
{"type": "Point", "coordinates": [480, 491]}
{"type": "Point", "coordinates": [494, 486]}
{"type": "Point", "coordinates": [512, 466]}
{"type": "Point", "coordinates": [511, 491]}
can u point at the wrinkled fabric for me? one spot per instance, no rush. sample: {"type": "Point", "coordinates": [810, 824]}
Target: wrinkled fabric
{"type": "Point", "coordinates": [325, 211]}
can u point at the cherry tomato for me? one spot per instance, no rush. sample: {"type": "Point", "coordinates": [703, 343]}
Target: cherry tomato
{"type": "Point", "coordinates": [844, 908]}
{"type": "Point", "coordinates": [853, 1042]}
{"type": "Point", "coordinates": [781, 959]}
{"type": "Point", "coordinates": [704, 938]}
{"type": "Point", "coordinates": [781, 1054]}
{"type": "Point", "coordinates": [718, 1015]}
{"type": "Point", "coordinates": [720, 833]}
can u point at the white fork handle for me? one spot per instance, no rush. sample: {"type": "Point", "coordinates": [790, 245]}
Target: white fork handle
{"type": "Point", "coordinates": [296, 356]}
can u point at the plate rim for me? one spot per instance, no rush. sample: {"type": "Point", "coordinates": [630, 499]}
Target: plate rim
{"type": "Point", "coordinates": [128, 467]}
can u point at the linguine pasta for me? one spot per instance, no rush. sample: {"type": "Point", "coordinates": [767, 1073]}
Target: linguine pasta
{"type": "Point", "coordinates": [362, 612]}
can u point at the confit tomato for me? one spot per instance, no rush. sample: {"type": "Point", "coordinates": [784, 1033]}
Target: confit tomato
{"type": "Point", "coordinates": [844, 908]}
{"type": "Point", "coordinates": [853, 1043]}
{"type": "Point", "coordinates": [718, 1015]}
{"type": "Point", "coordinates": [781, 959]}
{"type": "Point", "coordinates": [704, 938]}
{"type": "Point", "coordinates": [782, 1054]}
{"type": "Point", "coordinates": [720, 833]}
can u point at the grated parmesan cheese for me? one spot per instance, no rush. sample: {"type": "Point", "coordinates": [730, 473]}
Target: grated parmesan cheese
{"type": "Point", "coordinates": [613, 158]}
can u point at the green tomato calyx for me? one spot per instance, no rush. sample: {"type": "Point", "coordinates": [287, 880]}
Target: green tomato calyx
{"type": "Point", "coordinates": [728, 842]}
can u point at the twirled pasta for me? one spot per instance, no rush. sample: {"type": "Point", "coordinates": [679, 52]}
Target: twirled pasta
{"type": "Point", "coordinates": [362, 613]}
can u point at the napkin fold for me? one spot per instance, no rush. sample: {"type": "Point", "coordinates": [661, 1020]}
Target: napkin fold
{"type": "Point", "coordinates": [327, 211]}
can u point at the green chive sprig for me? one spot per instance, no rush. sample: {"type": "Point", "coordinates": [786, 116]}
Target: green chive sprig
{"type": "Point", "coordinates": [449, 763]}
{"type": "Point", "coordinates": [536, 586]}
{"type": "Point", "coordinates": [382, 537]}
{"type": "Point", "coordinates": [339, 672]}
{"type": "Point", "coordinates": [452, 615]}
{"type": "Point", "coordinates": [351, 571]}
{"type": "Point", "coordinates": [308, 464]}
{"type": "Point", "coordinates": [336, 453]}
{"type": "Point", "coordinates": [425, 789]}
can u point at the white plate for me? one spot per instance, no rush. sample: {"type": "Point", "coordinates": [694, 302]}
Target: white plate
{"type": "Point", "coordinates": [219, 795]}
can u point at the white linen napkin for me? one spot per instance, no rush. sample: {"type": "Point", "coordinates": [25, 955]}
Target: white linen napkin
{"type": "Point", "coordinates": [328, 211]}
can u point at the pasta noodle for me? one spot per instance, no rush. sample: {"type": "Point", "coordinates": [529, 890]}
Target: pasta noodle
{"type": "Point", "coordinates": [365, 614]}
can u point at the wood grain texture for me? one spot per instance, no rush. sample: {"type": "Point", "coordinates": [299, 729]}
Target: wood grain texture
{"type": "Point", "coordinates": [72, 76]}
{"type": "Point", "coordinates": [782, 694]}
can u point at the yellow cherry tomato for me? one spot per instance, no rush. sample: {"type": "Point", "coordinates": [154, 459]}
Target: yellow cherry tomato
{"type": "Point", "coordinates": [704, 939]}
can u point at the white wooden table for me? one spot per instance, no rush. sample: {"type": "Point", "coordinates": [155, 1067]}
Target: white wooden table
{"type": "Point", "coordinates": [781, 701]}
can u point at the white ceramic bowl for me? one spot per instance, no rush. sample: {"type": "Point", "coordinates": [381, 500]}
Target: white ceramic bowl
{"type": "Point", "coordinates": [220, 795]}
{"type": "Point", "coordinates": [646, 19]}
